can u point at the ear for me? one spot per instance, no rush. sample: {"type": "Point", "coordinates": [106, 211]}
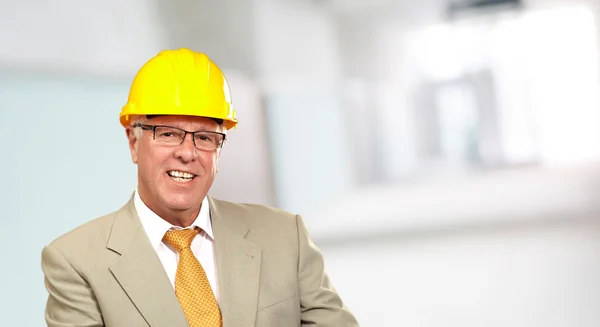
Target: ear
{"type": "Point", "coordinates": [133, 143]}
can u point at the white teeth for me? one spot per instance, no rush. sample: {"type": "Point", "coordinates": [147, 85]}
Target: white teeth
{"type": "Point", "coordinates": [181, 180]}
{"type": "Point", "coordinates": [180, 174]}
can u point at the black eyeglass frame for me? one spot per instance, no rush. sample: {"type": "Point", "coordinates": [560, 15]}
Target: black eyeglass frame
{"type": "Point", "coordinates": [153, 129]}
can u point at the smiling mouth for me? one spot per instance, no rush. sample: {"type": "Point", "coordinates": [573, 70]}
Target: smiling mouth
{"type": "Point", "coordinates": [181, 176]}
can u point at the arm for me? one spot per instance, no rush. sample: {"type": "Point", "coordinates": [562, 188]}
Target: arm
{"type": "Point", "coordinates": [319, 302]}
{"type": "Point", "coordinates": [71, 301]}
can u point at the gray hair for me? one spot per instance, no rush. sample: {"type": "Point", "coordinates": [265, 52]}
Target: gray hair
{"type": "Point", "coordinates": [138, 119]}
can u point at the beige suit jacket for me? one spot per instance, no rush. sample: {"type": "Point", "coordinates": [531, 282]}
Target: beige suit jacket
{"type": "Point", "coordinates": [106, 273]}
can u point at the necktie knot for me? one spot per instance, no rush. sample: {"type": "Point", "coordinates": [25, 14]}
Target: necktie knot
{"type": "Point", "coordinates": [180, 239]}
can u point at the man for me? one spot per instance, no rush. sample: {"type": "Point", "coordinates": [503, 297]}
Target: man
{"type": "Point", "coordinates": [173, 256]}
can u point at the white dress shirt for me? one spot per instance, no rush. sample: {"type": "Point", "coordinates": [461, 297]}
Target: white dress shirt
{"type": "Point", "coordinates": [202, 245]}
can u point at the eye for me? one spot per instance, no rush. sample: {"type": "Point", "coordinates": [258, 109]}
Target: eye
{"type": "Point", "coordinates": [205, 137]}
{"type": "Point", "coordinates": [168, 134]}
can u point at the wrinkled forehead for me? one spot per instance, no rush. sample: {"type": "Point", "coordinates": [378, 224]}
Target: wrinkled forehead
{"type": "Point", "coordinates": [190, 123]}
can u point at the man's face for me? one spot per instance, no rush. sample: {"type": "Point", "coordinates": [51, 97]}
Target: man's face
{"type": "Point", "coordinates": [157, 163]}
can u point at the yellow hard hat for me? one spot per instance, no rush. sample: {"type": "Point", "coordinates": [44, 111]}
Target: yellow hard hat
{"type": "Point", "coordinates": [180, 82]}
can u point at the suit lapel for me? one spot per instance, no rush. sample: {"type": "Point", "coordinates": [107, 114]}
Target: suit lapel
{"type": "Point", "coordinates": [238, 266]}
{"type": "Point", "coordinates": [140, 273]}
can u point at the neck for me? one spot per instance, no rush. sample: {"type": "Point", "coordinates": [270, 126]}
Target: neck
{"type": "Point", "coordinates": [178, 218]}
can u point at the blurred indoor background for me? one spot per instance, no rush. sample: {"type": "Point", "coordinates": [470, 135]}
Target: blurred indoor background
{"type": "Point", "coordinates": [444, 154]}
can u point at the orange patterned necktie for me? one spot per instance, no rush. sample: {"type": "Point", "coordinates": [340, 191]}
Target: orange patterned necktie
{"type": "Point", "coordinates": [191, 284]}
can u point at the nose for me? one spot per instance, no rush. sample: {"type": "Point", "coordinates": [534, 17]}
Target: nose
{"type": "Point", "coordinates": [187, 151]}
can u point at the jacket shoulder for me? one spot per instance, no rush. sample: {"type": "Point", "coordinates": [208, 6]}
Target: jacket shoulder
{"type": "Point", "coordinates": [256, 215]}
{"type": "Point", "coordinates": [91, 234]}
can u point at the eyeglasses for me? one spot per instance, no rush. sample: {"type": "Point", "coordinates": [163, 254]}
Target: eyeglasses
{"type": "Point", "coordinates": [169, 135]}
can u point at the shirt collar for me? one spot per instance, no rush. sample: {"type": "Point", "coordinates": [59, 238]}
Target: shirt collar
{"type": "Point", "coordinates": [156, 227]}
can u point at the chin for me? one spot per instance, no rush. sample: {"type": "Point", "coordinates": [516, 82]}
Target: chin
{"type": "Point", "coordinates": [183, 202]}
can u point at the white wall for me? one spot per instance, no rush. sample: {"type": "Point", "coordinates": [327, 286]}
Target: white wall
{"type": "Point", "coordinates": [297, 60]}
{"type": "Point", "coordinates": [245, 169]}
{"type": "Point", "coordinates": [66, 161]}
{"type": "Point", "coordinates": [447, 260]}
{"type": "Point", "coordinates": [513, 249]}
{"type": "Point", "coordinates": [65, 69]}
{"type": "Point", "coordinates": [544, 274]}
{"type": "Point", "coordinates": [98, 37]}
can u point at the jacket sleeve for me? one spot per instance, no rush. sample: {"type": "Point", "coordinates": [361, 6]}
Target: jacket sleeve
{"type": "Point", "coordinates": [71, 301]}
{"type": "Point", "coordinates": [320, 304]}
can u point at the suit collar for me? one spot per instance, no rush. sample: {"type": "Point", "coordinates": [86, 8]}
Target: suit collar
{"type": "Point", "coordinates": [125, 227]}
{"type": "Point", "coordinates": [142, 277]}
{"type": "Point", "coordinates": [238, 264]}
{"type": "Point", "coordinates": [221, 213]}
{"type": "Point", "coordinates": [140, 273]}
{"type": "Point", "coordinates": [127, 223]}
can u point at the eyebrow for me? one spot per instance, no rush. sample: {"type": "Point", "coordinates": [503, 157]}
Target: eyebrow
{"type": "Point", "coordinates": [203, 129]}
